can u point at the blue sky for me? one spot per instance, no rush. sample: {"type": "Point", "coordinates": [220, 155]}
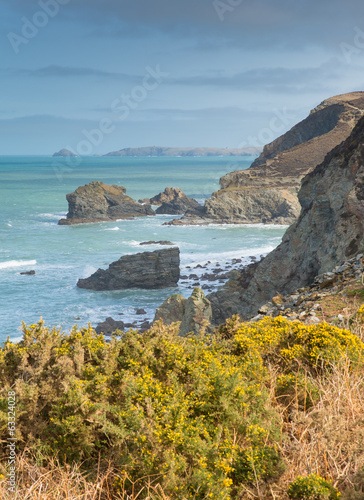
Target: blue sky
{"type": "Point", "coordinates": [129, 73]}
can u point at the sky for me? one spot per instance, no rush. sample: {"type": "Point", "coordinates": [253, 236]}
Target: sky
{"type": "Point", "coordinates": [100, 75]}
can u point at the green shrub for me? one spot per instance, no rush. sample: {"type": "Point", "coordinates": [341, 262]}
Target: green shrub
{"type": "Point", "coordinates": [179, 410]}
{"type": "Point", "coordinates": [312, 487]}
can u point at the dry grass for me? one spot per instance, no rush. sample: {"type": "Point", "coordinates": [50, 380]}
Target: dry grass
{"type": "Point", "coordinates": [327, 440]}
{"type": "Point", "coordinates": [55, 482]}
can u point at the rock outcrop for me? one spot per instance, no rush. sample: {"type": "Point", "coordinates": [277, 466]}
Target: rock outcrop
{"type": "Point", "coordinates": [169, 194]}
{"type": "Point", "coordinates": [329, 231]}
{"type": "Point", "coordinates": [97, 202]}
{"type": "Point", "coordinates": [267, 191]}
{"type": "Point", "coordinates": [194, 313]}
{"type": "Point", "coordinates": [333, 297]}
{"type": "Point", "coordinates": [198, 313]}
{"type": "Point", "coordinates": [148, 270]}
{"type": "Point", "coordinates": [172, 310]}
{"type": "Point", "coordinates": [173, 201]}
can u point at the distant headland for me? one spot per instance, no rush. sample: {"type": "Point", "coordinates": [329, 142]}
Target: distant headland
{"type": "Point", "coordinates": [165, 151]}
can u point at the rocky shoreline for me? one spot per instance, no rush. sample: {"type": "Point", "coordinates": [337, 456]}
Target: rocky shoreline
{"type": "Point", "coordinates": [209, 276]}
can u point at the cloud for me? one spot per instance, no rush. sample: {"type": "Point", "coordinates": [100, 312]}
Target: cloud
{"type": "Point", "coordinates": [276, 79]}
{"type": "Point", "coordinates": [250, 22]}
{"type": "Point", "coordinates": [71, 72]}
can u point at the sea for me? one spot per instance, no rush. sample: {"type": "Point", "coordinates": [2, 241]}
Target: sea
{"type": "Point", "coordinates": [32, 200]}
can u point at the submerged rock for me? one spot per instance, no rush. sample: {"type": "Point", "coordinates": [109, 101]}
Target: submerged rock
{"type": "Point", "coordinates": [109, 326]}
{"type": "Point", "coordinates": [152, 242]}
{"type": "Point", "coordinates": [148, 270]}
{"type": "Point", "coordinates": [96, 202]}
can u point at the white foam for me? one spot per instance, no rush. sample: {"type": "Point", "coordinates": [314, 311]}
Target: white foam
{"type": "Point", "coordinates": [112, 229]}
{"type": "Point", "coordinates": [17, 263]}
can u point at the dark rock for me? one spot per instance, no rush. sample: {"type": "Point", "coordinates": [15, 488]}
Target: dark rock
{"type": "Point", "coordinates": [161, 242]}
{"type": "Point", "coordinates": [145, 326]}
{"type": "Point", "coordinates": [96, 202]}
{"type": "Point", "coordinates": [29, 273]}
{"type": "Point", "coordinates": [174, 201]}
{"type": "Point", "coordinates": [179, 206]}
{"type": "Point", "coordinates": [140, 311]}
{"type": "Point", "coordinates": [148, 270]}
{"type": "Point", "coordinates": [109, 326]}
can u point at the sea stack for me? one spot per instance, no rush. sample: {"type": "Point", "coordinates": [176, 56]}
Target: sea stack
{"type": "Point", "coordinates": [147, 270]}
{"type": "Point", "coordinates": [97, 202]}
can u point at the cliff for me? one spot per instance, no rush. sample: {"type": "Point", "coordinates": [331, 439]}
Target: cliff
{"type": "Point", "coordinates": [267, 191]}
{"type": "Point", "coordinates": [164, 151]}
{"type": "Point", "coordinates": [329, 231]}
{"type": "Point", "coordinates": [96, 202]}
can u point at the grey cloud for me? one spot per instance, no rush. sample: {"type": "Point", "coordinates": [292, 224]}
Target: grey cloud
{"type": "Point", "coordinates": [68, 71]}
{"type": "Point", "coordinates": [268, 79]}
{"type": "Point", "coordinates": [254, 22]}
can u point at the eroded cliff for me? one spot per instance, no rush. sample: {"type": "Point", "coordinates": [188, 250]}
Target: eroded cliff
{"type": "Point", "coordinates": [267, 191]}
{"type": "Point", "coordinates": [329, 230]}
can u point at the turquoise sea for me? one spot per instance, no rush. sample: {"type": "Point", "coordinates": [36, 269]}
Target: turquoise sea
{"type": "Point", "coordinates": [32, 200]}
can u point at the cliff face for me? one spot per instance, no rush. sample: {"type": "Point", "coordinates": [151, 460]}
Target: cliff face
{"type": "Point", "coordinates": [329, 230]}
{"type": "Point", "coordinates": [267, 191]}
{"type": "Point", "coordinates": [96, 202]}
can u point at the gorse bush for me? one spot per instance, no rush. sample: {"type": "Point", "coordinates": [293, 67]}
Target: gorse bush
{"type": "Point", "coordinates": [192, 414]}
{"type": "Point", "coordinates": [312, 487]}
{"type": "Point", "coordinates": [294, 345]}
{"type": "Point", "coordinates": [183, 410]}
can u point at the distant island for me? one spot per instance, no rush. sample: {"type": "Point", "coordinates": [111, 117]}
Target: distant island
{"type": "Point", "coordinates": [164, 151]}
{"type": "Point", "coordinates": [64, 152]}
